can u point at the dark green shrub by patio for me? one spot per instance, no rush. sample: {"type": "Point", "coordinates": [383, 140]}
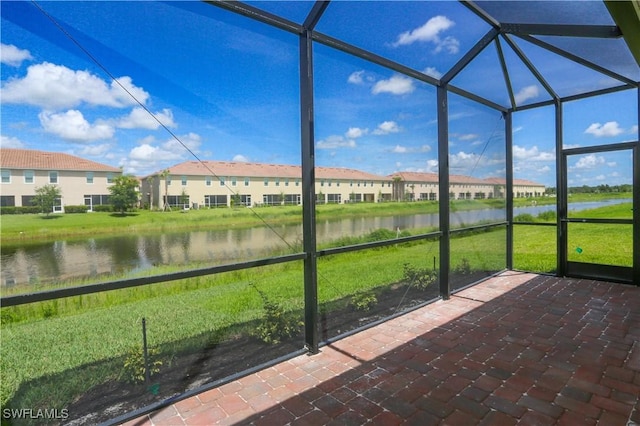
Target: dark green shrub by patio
{"type": "Point", "coordinates": [363, 301]}
{"type": "Point", "coordinates": [277, 324]}
{"type": "Point", "coordinates": [76, 209]}
{"type": "Point", "coordinates": [134, 365]}
{"type": "Point", "coordinates": [420, 278]}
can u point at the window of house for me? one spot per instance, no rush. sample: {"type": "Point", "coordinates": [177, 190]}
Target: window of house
{"type": "Point", "coordinates": [297, 182]}
{"type": "Point", "coordinates": [222, 180]}
{"type": "Point", "coordinates": [246, 181]}
{"type": "Point", "coordinates": [90, 177]}
{"type": "Point", "coordinates": [234, 181]}
{"type": "Point", "coordinates": [53, 177]}
{"type": "Point", "coordinates": [266, 182]}
{"type": "Point", "coordinates": [28, 176]}
{"type": "Point", "coordinates": [109, 177]}
{"type": "Point", "coordinates": [277, 182]}
{"type": "Point", "coordinates": [207, 180]}
{"type": "Point", "coordinates": [184, 180]}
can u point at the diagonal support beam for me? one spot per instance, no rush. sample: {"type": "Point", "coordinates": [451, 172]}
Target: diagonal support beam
{"type": "Point", "coordinates": [626, 14]}
{"type": "Point", "coordinates": [470, 55]}
{"type": "Point", "coordinates": [591, 31]}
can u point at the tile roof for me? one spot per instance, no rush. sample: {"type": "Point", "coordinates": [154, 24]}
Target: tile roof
{"type": "Point", "coordinates": [459, 179]}
{"type": "Point", "coordinates": [12, 158]}
{"type": "Point", "coordinates": [520, 182]}
{"type": "Point", "coordinates": [236, 168]}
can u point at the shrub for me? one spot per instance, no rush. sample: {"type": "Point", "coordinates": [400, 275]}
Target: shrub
{"type": "Point", "coordinates": [547, 216]}
{"type": "Point", "coordinates": [103, 208]}
{"type": "Point", "coordinates": [277, 324]}
{"type": "Point", "coordinates": [419, 277]}
{"type": "Point", "coordinates": [134, 366]}
{"type": "Point", "coordinates": [523, 217]}
{"type": "Point", "coordinates": [20, 210]}
{"type": "Point", "coordinates": [464, 267]}
{"type": "Point", "coordinates": [76, 209]}
{"type": "Point", "coordinates": [363, 301]}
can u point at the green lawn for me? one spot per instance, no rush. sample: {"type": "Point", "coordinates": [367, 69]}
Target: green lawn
{"type": "Point", "coordinates": [88, 335]}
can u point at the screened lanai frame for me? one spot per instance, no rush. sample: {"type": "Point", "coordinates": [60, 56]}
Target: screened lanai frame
{"type": "Point", "coordinates": [499, 34]}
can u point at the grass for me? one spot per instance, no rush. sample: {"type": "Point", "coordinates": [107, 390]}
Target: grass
{"type": "Point", "coordinates": [47, 338]}
{"type": "Point", "coordinates": [88, 335]}
{"type": "Point", "coordinates": [21, 229]}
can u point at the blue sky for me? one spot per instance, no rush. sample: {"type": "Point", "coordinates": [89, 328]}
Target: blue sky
{"type": "Point", "coordinates": [227, 88]}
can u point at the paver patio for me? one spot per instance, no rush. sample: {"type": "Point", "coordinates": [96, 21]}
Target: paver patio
{"type": "Point", "coordinates": [519, 348]}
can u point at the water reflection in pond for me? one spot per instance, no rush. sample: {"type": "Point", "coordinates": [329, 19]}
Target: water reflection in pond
{"type": "Point", "coordinates": [73, 260]}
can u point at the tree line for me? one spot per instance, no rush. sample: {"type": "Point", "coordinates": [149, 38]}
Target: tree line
{"type": "Point", "coordinates": [586, 189]}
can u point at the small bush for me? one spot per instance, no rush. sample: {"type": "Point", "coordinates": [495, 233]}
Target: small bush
{"type": "Point", "coordinates": [363, 301]}
{"type": "Point", "coordinates": [103, 208]}
{"type": "Point", "coordinates": [419, 277]}
{"type": "Point", "coordinates": [76, 209]}
{"type": "Point", "coordinates": [464, 267]}
{"type": "Point", "coordinates": [134, 368]}
{"type": "Point", "coordinates": [547, 216]}
{"type": "Point", "coordinates": [20, 210]}
{"type": "Point", "coordinates": [523, 217]}
{"type": "Point", "coordinates": [277, 324]}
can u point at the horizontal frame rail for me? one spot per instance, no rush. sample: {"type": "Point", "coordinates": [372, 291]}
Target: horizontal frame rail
{"type": "Point", "coordinates": [41, 296]}
{"type": "Point", "coordinates": [375, 244]}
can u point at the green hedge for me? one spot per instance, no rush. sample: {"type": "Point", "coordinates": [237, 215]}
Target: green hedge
{"type": "Point", "coordinates": [19, 209]}
{"type": "Point", "coordinates": [76, 209]}
{"type": "Point", "coordinates": [103, 208]}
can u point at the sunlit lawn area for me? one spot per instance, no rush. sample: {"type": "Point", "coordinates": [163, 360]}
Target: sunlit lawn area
{"type": "Point", "coordinates": [46, 338]}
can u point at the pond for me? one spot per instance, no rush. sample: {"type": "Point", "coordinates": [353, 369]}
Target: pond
{"type": "Point", "coordinates": [61, 261]}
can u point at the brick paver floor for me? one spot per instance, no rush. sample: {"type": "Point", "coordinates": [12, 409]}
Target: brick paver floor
{"type": "Point", "coordinates": [516, 349]}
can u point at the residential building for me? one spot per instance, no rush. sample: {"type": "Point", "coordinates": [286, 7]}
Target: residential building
{"type": "Point", "coordinates": [223, 183]}
{"type": "Point", "coordinates": [424, 186]}
{"type": "Point", "coordinates": [81, 181]}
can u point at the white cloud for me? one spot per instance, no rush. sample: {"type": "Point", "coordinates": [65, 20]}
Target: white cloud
{"type": "Point", "coordinates": [526, 93]}
{"type": "Point", "coordinates": [431, 71]}
{"type": "Point", "coordinates": [13, 56]}
{"type": "Point", "coordinates": [72, 126]}
{"type": "Point", "coordinates": [590, 161]}
{"type": "Point", "coordinates": [240, 158]}
{"type": "Point", "coordinates": [396, 85]}
{"type": "Point", "coordinates": [95, 150]}
{"type": "Point", "coordinates": [634, 129]}
{"type": "Point", "coordinates": [55, 87]}
{"type": "Point", "coordinates": [386, 127]}
{"type": "Point", "coordinates": [600, 177]}
{"type": "Point", "coordinates": [430, 32]}
{"type": "Point", "coordinates": [469, 161]}
{"type": "Point", "coordinates": [139, 118]}
{"type": "Point", "coordinates": [170, 150]}
{"type": "Point", "coordinates": [532, 154]}
{"type": "Point", "coordinates": [190, 140]}
{"type": "Point", "coordinates": [336, 141]}
{"type": "Point", "coordinates": [356, 132]}
{"type": "Point", "coordinates": [608, 129]}
{"type": "Point", "coordinates": [10, 142]}
{"type": "Point", "coordinates": [356, 77]}
{"type": "Point", "coordinates": [400, 149]}
{"type": "Point", "coordinates": [468, 137]}
{"type": "Point", "coordinates": [143, 152]}
{"type": "Point", "coordinates": [432, 166]}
